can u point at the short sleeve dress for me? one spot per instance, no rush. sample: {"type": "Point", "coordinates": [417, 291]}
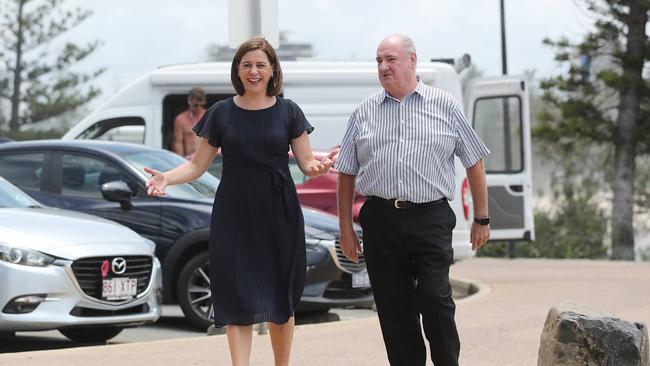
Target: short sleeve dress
{"type": "Point", "coordinates": [257, 237]}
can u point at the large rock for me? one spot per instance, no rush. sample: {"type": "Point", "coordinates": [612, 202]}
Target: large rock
{"type": "Point", "coordinates": [579, 335]}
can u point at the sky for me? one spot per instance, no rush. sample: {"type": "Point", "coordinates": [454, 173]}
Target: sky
{"type": "Point", "coordinates": [139, 36]}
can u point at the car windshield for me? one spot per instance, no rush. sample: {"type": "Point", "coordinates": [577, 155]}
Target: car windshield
{"type": "Point", "coordinates": [205, 186]}
{"type": "Point", "coordinates": [12, 197]}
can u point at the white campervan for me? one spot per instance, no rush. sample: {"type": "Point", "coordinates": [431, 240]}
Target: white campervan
{"type": "Point", "coordinates": [144, 111]}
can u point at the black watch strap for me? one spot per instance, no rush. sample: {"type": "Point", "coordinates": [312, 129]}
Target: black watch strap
{"type": "Point", "coordinates": [483, 221]}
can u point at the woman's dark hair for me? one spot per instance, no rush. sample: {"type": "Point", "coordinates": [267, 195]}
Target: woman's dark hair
{"type": "Point", "coordinates": [275, 83]}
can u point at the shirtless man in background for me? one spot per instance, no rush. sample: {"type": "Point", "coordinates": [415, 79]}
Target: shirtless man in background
{"type": "Point", "coordinates": [185, 140]}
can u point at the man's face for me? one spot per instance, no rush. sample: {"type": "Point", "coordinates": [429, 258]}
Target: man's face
{"type": "Point", "coordinates": [395, 66]}
{"type": "Point", "coordinates": [195, 104]}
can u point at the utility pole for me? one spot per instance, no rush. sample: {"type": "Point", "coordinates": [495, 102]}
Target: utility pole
{"type": "Point", "coordinates": [504, 59]}
{"type": "Point", "coordinates": [253, 18]}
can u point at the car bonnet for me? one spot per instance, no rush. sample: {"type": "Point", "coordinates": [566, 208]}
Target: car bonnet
{"type": "Point", "coordinates": [67, 234]}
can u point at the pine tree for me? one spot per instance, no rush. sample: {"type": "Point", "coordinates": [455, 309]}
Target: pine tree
{"type": "Point", "coordinates": [604, 100]}
{"type": "Point", "coordinates": [37, 84]}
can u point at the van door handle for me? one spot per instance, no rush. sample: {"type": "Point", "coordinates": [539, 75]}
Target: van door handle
{"type": "Point", "coordinates": [516, 188]}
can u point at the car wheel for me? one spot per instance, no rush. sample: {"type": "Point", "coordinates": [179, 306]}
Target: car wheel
{"type": "Point", "coordinates": [193, 292]}
{"type": "Point", "coordinates": [7, 335]}
{"type": "Point", "coordinates": [91, 335]}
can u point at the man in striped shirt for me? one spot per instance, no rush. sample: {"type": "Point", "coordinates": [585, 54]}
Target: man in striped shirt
{"type": "Point", "coordinates": [399, 147]}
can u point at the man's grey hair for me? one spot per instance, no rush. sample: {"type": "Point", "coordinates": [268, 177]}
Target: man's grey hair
{"type": "Point", "coordinates": [407, 43]}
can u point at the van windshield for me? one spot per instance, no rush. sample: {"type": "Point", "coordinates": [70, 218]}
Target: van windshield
{"type": "Point", "coordinates": [204, 187]}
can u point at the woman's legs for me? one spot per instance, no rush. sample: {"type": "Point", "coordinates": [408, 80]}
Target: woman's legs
{"type": "Point", "coordinates": [281, 339]}
{"type": "Point", "coordinates": [240, 339]}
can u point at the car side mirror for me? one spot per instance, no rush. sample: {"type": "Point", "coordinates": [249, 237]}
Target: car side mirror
{"type": "Point", "coordinates": [118, 191]}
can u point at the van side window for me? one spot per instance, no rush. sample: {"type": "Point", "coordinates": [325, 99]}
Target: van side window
{"type": "Point", "coordinates": [123, 129]}
{"type": "Point", "coordinates": [173, 105]}
{"type": "Point", "coordinates": [24, 170]}
{"type": "Point", "coordinates": [498, 122]}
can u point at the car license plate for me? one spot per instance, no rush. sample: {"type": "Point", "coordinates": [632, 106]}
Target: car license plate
{"type": "Point", "coordinates": [119, 288]}
{"type": "Point", "coordinates": [360, 280]}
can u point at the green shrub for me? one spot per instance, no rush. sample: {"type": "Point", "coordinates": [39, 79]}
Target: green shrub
{"type": "Point", "coordinates": [644, 254]}
{"type": "Point", "coordinates": [576, 229]}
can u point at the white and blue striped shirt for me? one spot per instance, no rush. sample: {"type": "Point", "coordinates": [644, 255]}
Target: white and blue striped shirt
{"type": "Point", "coordinates": [406, 149]}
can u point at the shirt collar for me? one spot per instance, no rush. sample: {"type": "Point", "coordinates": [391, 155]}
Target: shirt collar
{"type": "Point", "coordinates": [419, 90]}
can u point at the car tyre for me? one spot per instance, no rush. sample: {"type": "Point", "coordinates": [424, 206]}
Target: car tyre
{"type": "Point", "coordinates": [91, 335]}
{"type": "Point", "coordinates": [194, 293]}
{"type": "Point", "coordinates": [7, 335]}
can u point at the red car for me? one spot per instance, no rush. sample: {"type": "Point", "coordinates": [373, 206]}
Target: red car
{"type": "Point", "coordinates": [318, 192]}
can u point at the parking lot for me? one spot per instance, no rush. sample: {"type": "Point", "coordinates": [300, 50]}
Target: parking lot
{"type": "Point", "coordinates": [171, 325]}
{"type": "Point", "coordinates": [501, 325]}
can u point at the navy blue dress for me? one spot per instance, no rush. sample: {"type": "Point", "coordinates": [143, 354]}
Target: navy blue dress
{"type": "Point", "coordinates": [257, 235]}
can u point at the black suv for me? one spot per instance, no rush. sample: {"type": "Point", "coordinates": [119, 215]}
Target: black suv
{"type": "Point", "coordinates": [107, 179]}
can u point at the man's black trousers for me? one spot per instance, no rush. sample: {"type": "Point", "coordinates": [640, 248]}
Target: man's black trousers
{"type": "Point", "coordinates": [408, 253]}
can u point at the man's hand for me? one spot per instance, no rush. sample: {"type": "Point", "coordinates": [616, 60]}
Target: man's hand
{"type": "Point", "coordinates": [350, 245]}
{"type": "Point", "coordinates": [479, 235]}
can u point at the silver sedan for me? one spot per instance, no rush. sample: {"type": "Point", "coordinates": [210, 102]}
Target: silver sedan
{"type": "Point", "coordinates": [85, 276]}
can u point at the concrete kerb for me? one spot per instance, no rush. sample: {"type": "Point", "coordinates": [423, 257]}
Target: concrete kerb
{"type": "Point", "coordinates": [473, 290]}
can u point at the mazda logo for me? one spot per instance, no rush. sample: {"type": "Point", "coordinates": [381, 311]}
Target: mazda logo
{"type": "Point", "coordinates": [118, 265]}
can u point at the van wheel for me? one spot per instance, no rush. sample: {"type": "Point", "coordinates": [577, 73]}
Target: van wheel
{"type": "Point", "coordinates": [91, 335]}
{"type": "Point", "coordinates": [194, 294]}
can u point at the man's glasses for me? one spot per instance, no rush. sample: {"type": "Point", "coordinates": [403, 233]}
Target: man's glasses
{"type": "Point", "coordinates": [197, 104]}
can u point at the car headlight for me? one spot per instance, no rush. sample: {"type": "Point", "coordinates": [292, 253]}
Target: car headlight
{"type": "Point", "coordinates": [317, 251]}
{"type": "Point", "coordinates": [23, 256]}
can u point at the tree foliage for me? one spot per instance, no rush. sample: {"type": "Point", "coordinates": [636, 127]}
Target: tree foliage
{"type": "Point", "coordinates": [38, 83]}
{"type": "Point", "coordinates": [602, 99]}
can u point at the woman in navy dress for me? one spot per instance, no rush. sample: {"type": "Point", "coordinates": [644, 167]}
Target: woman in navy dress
{"type": "Point", "coordinates": [257, 239]}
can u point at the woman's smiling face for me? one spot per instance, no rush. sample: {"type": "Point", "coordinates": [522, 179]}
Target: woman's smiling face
{"type": "Point", "coordinates": [255, 71]}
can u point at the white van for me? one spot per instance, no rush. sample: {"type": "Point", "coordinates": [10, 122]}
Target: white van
{"type": "Point", "coordinates": [144, 111]}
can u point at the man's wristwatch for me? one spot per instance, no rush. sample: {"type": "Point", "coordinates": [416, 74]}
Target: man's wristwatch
{"type": "Point", "coordinates": [483, 221]}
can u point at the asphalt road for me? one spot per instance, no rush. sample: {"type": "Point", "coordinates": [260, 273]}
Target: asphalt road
{"type": "Point", "coordinates": [170, 326]}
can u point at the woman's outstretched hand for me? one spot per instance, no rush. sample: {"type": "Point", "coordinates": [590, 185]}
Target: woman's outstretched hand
{"type": "Point", "coordinates": [157, 183]}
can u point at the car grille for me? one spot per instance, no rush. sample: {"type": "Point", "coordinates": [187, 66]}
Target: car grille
{"type": "Point", "coordinates": [347, 265]}
{"type": "Point", "coordinates": [88, 273]}
{"type": "Point", "coordinates": [82, 312]}
{"type": "Point", "coordinates": [342, 289]}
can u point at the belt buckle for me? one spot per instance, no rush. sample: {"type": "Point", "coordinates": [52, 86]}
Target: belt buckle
{"type": "Point", "coordinates": [396, 203]}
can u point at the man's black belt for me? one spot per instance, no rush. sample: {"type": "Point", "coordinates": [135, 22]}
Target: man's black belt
{"type": "Point", "coordinates": [403, 205]}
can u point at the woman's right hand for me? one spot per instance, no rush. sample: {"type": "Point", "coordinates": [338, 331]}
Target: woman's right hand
{"type": "Point", "coordinates": [157, 183]}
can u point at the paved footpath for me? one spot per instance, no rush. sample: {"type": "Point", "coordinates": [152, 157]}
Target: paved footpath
{"type": "Point", "coordinates": [499, 326]}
